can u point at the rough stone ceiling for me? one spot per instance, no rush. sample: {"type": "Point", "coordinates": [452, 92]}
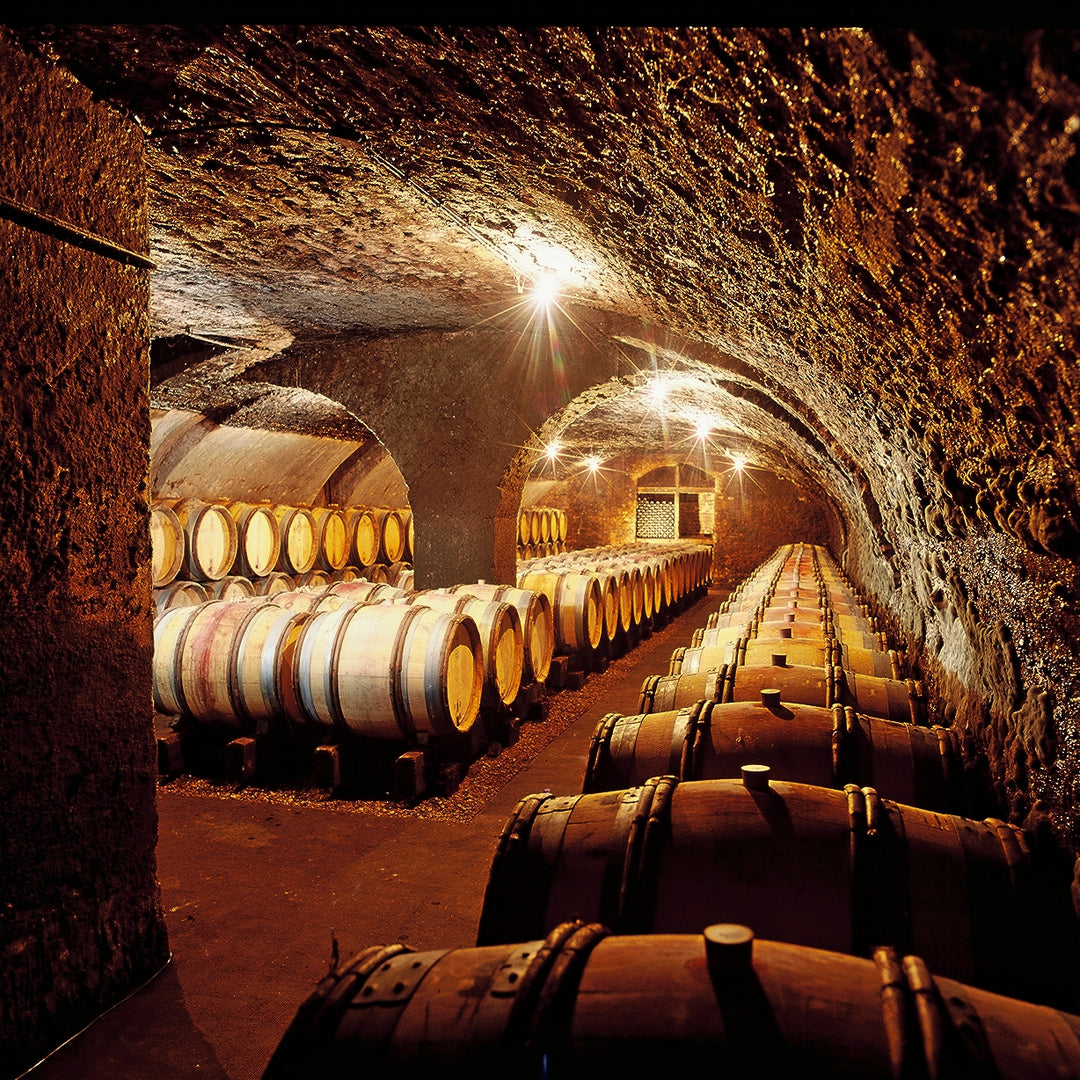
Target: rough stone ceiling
{"type": "Point", "coordinates": [869, 235]}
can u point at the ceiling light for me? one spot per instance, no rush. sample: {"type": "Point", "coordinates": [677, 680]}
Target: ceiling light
{"type": "Point", "coordinates": [738, 462]}
{"type": "Point", "coordinates": [551, 451]}
{"type": "Point", "coordinates": [545, 289]}
{"type": "Point", "coordinates": [592, 463]}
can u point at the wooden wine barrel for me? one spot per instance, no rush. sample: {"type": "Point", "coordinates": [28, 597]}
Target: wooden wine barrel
{"type": "Point", "coordinates": [210, 548]}
{"type": "Point", "coordinates": [170, 629]}
{"type": "Point", "coordinates": [167, 543]}
{"type": "Point", "coordinates": [233, 587]}
{"type": "Point", "coordinates": [390, 671]}
{"type": "Point", "coordinates": [537, 624]}
{"type": "Point", "coordinates": [363, 531]}
{"type": "Point", "coordinates": [274, 583]}
{"type": "Point", "coordinates": [524, 527]}
{"type": "Point", "coordinates": [263, 688]}
{"type": "Point", "coordinates": [561, 523]}
{"type": "Point", "coordinates": [391, 535]}
{"type": "Point", "coordinates": [258, 543]}
{"type": "Point", "coordinates": [299, 546]}
{"type": "Point", "coordinates": [206, 659]}
{"type": "Point", "coordinates": [313, 579]}
{"type": "Point", "coordinates": [501, 639]}
{"type": "Point", "coordinates": [577, 606]}
{"type": "Point", "coordinates": [887, 699]}
{"type": "Point", "coordinates": [584, 1003]}
{"type": "Point", "coordinates": [396, 572]}
{"type": "Point", "coordinates": [535, 527]}
{"type": "Point", "coordinates": [408, 530]}
{"type": "Point", "coordinates": [346, 573]}
{"type": "Point", "coordinates": [839, 870]}
{"type": "Point", "coordinates": [332, 540]}
{"type": "Point", "coordinates": [179, 594]}
{"type": "Point", "coordinates": [367, 592]}
{"type": "Point", "coordinates": [917, 766]}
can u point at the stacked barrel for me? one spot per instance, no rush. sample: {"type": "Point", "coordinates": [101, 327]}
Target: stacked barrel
{"type": "Point", "coordinates": [607, 597]}
{"type": "Point", "coordinates": [204, 550]}
{"type": "Point", "coordinates": [356, 659]}
{"type": "Point", "coordinates": [907, 936]}
{"type": "Point", "coordinates": [541, 531]}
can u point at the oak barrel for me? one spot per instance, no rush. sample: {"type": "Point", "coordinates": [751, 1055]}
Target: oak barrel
{"type": "Point", "coordinates": [167, 542]}
{"type": "Point", "coordinates": [840, 870]}
{"type": "Point", "coordinates": [258, 539]}
{"type": "Point", "coordinates": [299, 546]}
{"type": "Point", "coordinates": [537, 624]}
{"type": "Point", "coordinates": [390, 671]}
{"type": "Point", "coordinates": [917, 766]}
{"type": "Point", "coordinates": [210, 547]}
{"type": "Point", "coordinates": [582, 1003]}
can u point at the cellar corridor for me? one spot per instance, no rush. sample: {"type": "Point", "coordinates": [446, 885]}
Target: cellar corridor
{"type": "Point", "coordinates": [319, 343]}
{"type": "Point", "coordinates": [256, 886]}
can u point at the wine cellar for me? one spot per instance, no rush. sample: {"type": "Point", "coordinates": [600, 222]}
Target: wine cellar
{"type": "Point", "coordinates": [537, 551]}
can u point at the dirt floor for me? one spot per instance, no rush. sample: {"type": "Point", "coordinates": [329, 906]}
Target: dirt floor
{"type": "Point", "coordinates": [258, 885]}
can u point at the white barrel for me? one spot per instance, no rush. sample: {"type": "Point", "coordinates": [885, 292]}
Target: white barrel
{"type": "Point", "coordinates": [501, 638]}
{"type": "Point", "coordinates": [390, 671]}
{"type": "Point", "coordinates": [537, 623]}
{"type": "Point", "coordinates": [332, 541]}
{"type": "Point", "coordinates": [258, 539]}
{"type": "Point", "coordinates": [577, 605]}
{"type": "Point", "coordinates": [211, 539]}
{"type": "Point", "coordinates": [167, 543]}
{"type": "Point", "coordinates": [299, 546]}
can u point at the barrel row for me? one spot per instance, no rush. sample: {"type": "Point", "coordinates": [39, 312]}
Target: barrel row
{"type": "Point", "coordinates": [590, 953]}
{"type": "Point", "coordinates": [829, 747]}
{"type": "Point", "coordinates": [597, 594]}
{"type": "Point", "coordinates": [234, 664]}
{"type": "Point", "coordinates": [205, 541]}
{"type": "Point", "coordinates": [182, 593]}
{"type": "Point", "coordinates": [842, 870]}
{"type": "Point", "coordinates": [582, 1002]}
{"type": "Point", "coordinates": [541, 525]}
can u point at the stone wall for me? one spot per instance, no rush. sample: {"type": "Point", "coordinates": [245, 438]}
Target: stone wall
{"type": "Point", "coordinates": [80, 922]}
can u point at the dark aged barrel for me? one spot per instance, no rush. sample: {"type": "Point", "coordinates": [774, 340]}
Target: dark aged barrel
{"type": "Point", "coordinates": [831, 747]}
{"type": "Point", "coordinates": [582, 1003]}
{"type": "Point", "coordinates": [842, 870]}
{"type": "Point", "coordinates": [887, 699]}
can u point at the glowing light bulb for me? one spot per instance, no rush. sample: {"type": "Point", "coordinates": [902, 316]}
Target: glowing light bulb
{"type": "Point", "coordinates": [545, 289]}
{"type": "Point", "coordinates": [703, 430]}
{"type": "Point", "coordinates": [738, 463]}
{"type": "Point", "coordinates": [658, 391]}
{"type": "Point", "coordinates": [592, 463]}
{"type": "Point", "coordinates": [551, 451]}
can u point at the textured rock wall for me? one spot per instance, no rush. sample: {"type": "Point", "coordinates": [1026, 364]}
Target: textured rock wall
{"type": "Point", "coordinates": [80, 921]}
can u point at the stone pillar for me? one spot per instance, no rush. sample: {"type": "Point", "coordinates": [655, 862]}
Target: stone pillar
{"type": "Point", "coordinates": [80, 918]}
